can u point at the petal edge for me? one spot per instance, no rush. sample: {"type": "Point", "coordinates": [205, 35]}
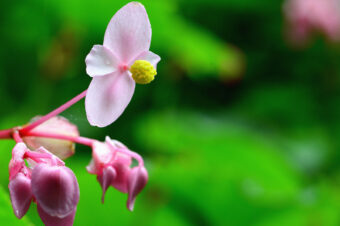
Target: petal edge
{"type": "Point", "coordinates": [100, 61]}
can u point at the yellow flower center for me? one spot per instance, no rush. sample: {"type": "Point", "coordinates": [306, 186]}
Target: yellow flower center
{"type": "Point", "coordinates": [143, 72]}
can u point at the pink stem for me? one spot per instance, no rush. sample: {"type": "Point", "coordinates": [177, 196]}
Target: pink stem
{"type": "Point", "coordinates": [16, 137]}
{"type": "Point", "coordinates": [36, 156]}
{"type": "Point", "coordinates": [6, 134]}
{"type": "Point", "coordinates": [126, 151]}
{"type": "Point", "coordinates": [57, 111]}
{"type": "Point", "coordinates": [79, 140]}
{"type": "Point", "coordinates": [133, 155]}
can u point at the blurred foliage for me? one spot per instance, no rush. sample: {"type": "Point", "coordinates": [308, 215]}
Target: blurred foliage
{"type": "Point", "coordinates": [239, 128]}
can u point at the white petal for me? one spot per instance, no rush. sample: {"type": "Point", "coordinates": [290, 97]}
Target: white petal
{"type": "Point", "coordinates": [107, 97]}
{"type": "Point", "coordinates": [100, 61]}
{"type": "Point", "coordinates": [148, 56]}
{"type": "Point", "coordinates": [129, 32]}
{"type": "Point", "coordinates": [152, 58]}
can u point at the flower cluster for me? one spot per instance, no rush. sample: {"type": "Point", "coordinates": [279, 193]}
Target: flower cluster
{"type": "Point", "coordinates": [111, 162]}
{"type": "Point", "coordinates": [37, 172]}
{"type": "Point", "coordinates": [46, 181]}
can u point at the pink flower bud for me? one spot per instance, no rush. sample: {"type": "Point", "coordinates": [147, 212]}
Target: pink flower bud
{"type": "Point", "coordinates": [21, 194]}
{"type": "Point", "coordinates": [103, 156]}
{"type": "Point", "coordinates": [106, 178]}
{"type": "Point", "coordinates": [56, 125]}
{"type": "Point", "coordinates": [56, 189]}
{"type": "Point", "coordinates": [137, 180]}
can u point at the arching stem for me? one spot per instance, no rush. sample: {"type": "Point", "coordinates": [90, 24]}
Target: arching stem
{"type": "Point", "coordinates": [53, 113]}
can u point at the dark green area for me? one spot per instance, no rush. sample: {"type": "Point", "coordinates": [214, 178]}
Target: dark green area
{"type": "Point", "coordinates": [238, 128]}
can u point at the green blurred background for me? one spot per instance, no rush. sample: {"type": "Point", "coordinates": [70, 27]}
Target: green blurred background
{"type": "Point", "coordinates": [239, 128]}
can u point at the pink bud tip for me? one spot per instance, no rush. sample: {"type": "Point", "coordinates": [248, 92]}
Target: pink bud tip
{"type": "Point", "coordinates": [56, 221]}
{"type": "Point", "coordinates": [106, 179]}
{"type": "Point", "coordinates": [136, 182]}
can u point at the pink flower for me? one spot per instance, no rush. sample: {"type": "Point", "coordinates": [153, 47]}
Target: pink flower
{"type": "Point", "coordinates": [307, 16]}
{"type": "Point", "coordinates": [118, 64]}
{"type": "Point", "coordinates": [111, 162]}
{"type": "Point", "coordinates": [47, 181]}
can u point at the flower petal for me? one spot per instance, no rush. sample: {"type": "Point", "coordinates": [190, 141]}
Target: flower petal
{"type": "Point", "coordinates": [21, 194]}
{"type": "Point", "coordinates": [100, 61]}
{"type": "Point", "coordinates": [148, 56]}
{"type": "Point", "coordinates": [129, 32]}
{"type": "Point", "coordinates": [56, 221]}
{"type": "Point", "coordinates": [137, 180]}
{"type": "Point", "coordinates": [55, 189]}
{"type": "Point", "coordinates": [107, 97]}
{"type": "Point", "coordinates": [91, 167]}
{"type": "Point", "coordinates": [152, 58]}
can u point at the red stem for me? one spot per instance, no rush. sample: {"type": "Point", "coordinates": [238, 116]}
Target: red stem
{"type": "Point", "coordinates": [24, 131]}
{"type": "Point", "coordinates": [6, 134]}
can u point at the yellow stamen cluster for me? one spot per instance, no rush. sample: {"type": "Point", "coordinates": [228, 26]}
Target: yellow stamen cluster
{"type": "Point", "coordinates": [143, 72]}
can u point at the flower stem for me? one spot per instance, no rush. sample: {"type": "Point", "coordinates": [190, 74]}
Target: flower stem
{"type": "Point", "coordinates": [6, 134]}
{"type": "Point", "coordinates": [79, 139]}
{"type": "Point", "coordinates": [133, 155]}
{"type": "Point", "coordinates": [53, 113]}
{"type": "Point", "coordinates": [16, 137]}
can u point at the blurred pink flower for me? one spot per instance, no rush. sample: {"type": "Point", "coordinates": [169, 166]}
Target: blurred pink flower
{"type": "Point", "coordinates": [56, 125]}
{"type": "Point", "coordinates": [127, 40]}
{"type": "Point", "coordinates": [111, 162]}
{"type": "Point", "coordinates": [307, 16]}
{"type": "Point", "coordinates": [46, 181]}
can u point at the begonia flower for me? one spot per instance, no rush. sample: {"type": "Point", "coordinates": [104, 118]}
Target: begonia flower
{"type": "Point", "coordinates": [45, 181]}
{"type": "Point", "coordinates": [111, 162]}
{"type": "Point", "coordinates": [305, 17]}
{"type": "Point", "coordinates": [58, 126]}
{"type": "Point", "coordinates": [123, 60]}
